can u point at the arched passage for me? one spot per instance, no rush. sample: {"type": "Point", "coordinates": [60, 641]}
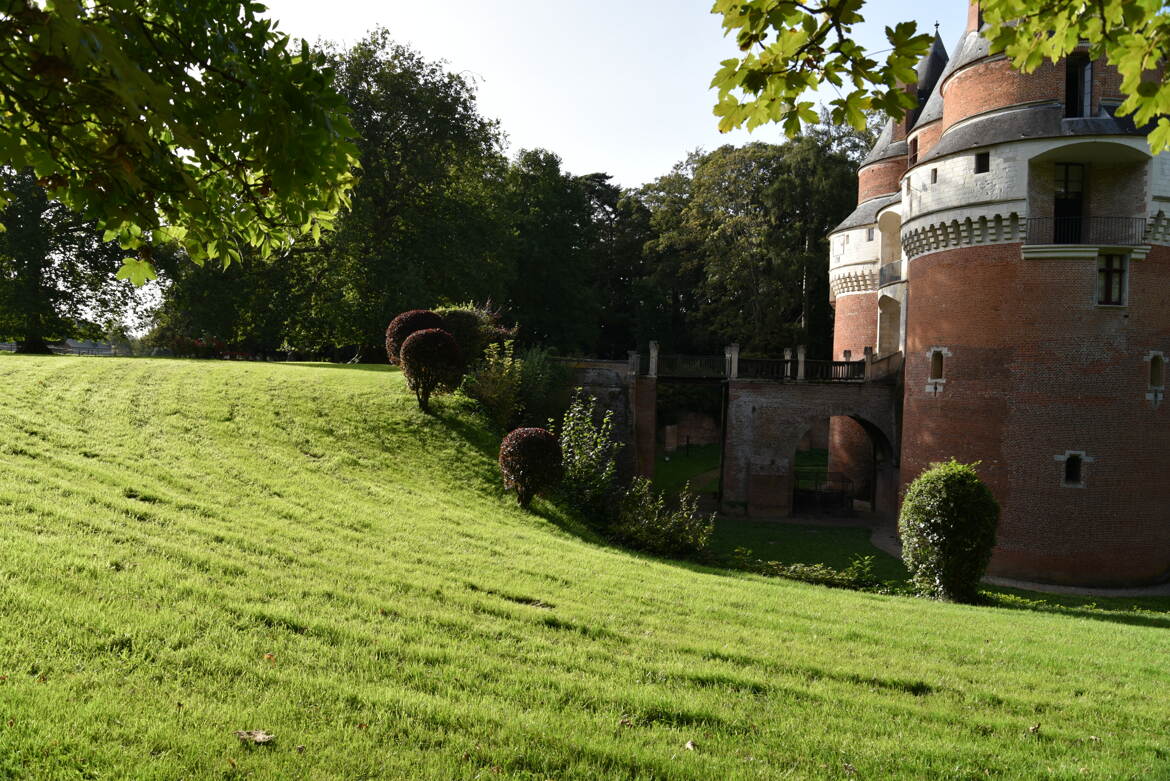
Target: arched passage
{"type": "Point", "coordinates": [765, 423]}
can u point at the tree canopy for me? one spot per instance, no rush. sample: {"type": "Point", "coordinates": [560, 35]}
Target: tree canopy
{"type": "Point", "coordinates": [168, 120]}
{"type": "Point", "coordinates": [789, 48]}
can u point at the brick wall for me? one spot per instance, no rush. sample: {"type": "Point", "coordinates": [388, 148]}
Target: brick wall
{"type": "Point", "coordinates": [765, 424]}
{"type": "Point", "coordinates": [993, 83]}
{"type": "Point", "coordinates": [927, 136]}
{"type": "Point", "coordinates": [854, 324]}
{"type": "Point", "coordinates": [1037, 369]}
{"type": "Point", "coordinates": [880, 178]}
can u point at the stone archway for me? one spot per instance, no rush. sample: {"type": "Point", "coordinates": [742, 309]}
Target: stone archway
{"type": "Point", "coordinates": [765, 422]}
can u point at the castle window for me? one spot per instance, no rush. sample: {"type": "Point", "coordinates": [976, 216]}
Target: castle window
{"type": "Point", "coordinates": [937, 378]}
{"type": "Point", "coordinates": [1078, 85]}
{"type": "Point", "coordinates": [934, 176]}
{"type": "Point", "coordinates": [1156, 393]}
{"type": "Point", "coordinates": [1073, 467]}
{"type": "Point", "coordinates": [913, 151]}
{"type": "Point", "coordinates": [982, 162]}
{"type": "Point", "coordinates": [1111, 280]}
{"type": "Point", "coordinates": [869, 234]}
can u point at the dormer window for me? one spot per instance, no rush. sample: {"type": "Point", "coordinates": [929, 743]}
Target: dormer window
{"type": "Point", "coordinates": [1078, 85]}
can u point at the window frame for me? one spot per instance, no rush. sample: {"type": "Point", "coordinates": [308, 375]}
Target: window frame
{"type": "Point", "coordinates": [1106, 276]}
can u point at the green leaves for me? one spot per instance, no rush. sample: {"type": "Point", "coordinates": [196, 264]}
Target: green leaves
{"type": "Point", "coordinates": [164, 120]}
{"type": "Point", "coordinates": [139, 272]}
{"type": "Point", "coordinates": [789, 50]}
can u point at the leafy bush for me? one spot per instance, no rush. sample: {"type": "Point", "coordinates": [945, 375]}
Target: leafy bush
{"type": "Point", "coordinates": [431, 361]}
{"type": "Point", "coordinates": [543, 387]}
{"type": "Point", "coordinates": [530, 461]}
{"type": "Point", "coordinates": [858, 576]}
{"type": "Point", "coordinates": [495, 383]}
{"type": "Point", "coordinates": [467, 328]}
{"type": "Point", "coordinates": [589, 453]}
{"type": "Point", "coordinates": [406, 324]}
{"type": "Point", "coordinates": [645, 521]}
{"type": "Point", "coordinates": [948, 525]}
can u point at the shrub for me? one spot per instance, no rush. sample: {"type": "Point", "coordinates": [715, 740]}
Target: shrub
{"type": "Point", "coordinates": [468, 328]}
{"type": "Point", "coordinates": [530, 461]}
{"type": "Point", "coordinates": [645, 521]}
{"type": "Point", "coordinates": [589, 453]}
{"type": "Point", "coordinates": [948, 524]}
{"type": "Point", "coordinates": [543, 387]}
{"type": "Point", "coordinates": [406, 324]}
{"type": "Point", "coordinates": [495, 383]}
{"type": "Point", "coordinates": [431, 361]}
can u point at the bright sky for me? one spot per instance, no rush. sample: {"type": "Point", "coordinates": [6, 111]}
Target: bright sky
{"type": "Point", "coordinates": [619, 86]}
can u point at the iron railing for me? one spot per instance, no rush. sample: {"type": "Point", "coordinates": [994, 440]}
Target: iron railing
{"type": "Point", "coordinates": [890, 273]}
{"type": "Point", "coordinates": [1117, 231]}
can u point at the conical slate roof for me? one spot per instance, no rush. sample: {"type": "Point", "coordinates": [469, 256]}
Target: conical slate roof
{"type": "Point", "coordinates": [930, 69]}
{"type": "Point", "coordinates": [971, 46]}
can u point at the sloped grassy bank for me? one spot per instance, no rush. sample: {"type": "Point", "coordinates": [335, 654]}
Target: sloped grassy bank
{"type": "Point", "coordinates": [188, 549]}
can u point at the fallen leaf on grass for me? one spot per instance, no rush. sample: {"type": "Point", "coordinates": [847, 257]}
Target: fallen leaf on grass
{"type": "Point", "coordinates": [690, 746]}
{"type": "Point", "coordinates": [255, 736]}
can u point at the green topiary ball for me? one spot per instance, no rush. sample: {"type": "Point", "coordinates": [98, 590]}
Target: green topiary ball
{"type": "Point", "coordinates": [947, 525]}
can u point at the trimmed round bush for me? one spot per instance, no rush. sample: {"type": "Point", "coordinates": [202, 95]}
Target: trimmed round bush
{"type": "Point", "coordinates": [406, 324]}
{"type": "Point", "coordinates": [530, 461]}
{"type": "Point", "coordinates": [947, 525]}
{"type": "Point", "coordinates": [431, 360]}
{"type": "Point", "coordinates": [467, 326]}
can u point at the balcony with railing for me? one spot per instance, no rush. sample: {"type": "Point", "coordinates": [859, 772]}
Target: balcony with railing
{"type": "Point", "coordinates": [890, 273]}
{"type": "Point", "coordinates": [1098, 231]}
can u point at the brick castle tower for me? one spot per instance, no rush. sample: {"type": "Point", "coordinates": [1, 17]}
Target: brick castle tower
{"type": "Point", "coordinates": [1011, 242]}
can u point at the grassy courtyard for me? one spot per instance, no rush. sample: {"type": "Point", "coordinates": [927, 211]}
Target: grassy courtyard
{"type": "Point", "coordinates": [195, 548]}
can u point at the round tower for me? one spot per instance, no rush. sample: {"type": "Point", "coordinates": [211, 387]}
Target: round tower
{"type": "Point", "coordinates": [867, 287]}
{"type": "Point", "coordinates": [1036, 252]}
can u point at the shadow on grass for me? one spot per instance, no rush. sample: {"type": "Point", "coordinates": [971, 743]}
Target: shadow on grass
{"type": "Point", "coordinates": [356, 367]}
{"type": "Point", "coordinates": [1136, 611]}
{"type": "Point", "coordinates": [811, 545]}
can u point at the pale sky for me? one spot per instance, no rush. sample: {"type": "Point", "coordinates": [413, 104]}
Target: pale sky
{"type": "Point", "coordinates": [619, 86]}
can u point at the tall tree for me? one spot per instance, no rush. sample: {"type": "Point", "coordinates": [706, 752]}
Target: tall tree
{"type": "Point", "coordinates": [56, 273]}
{"type": "Point", "coordinates": [196, 121]}
{"type": "Point", "coordinates": [549, 220]}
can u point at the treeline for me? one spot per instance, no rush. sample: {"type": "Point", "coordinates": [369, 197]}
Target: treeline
{"type": "Point", "coordinates": [728, 246]}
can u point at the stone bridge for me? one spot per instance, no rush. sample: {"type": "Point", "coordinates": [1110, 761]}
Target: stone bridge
{"type": "Point", "coordinates": [765, 421]}
{"type": "Point", "coordinates": [766, 414]}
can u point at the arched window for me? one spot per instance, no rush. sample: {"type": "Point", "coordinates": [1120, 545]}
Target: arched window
{"type": "Point", "coordinates": [936, 365]}
{"type": "Point", "coordinates": [1072, 470]}
{"type": "Point", "coordinates": [1157, 371]}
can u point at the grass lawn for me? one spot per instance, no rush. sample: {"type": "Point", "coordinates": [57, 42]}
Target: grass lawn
{"type": "Point", "coordinates": [683, 465]}
{"type": "Point", "coordinates": [191, 548]}
{"type": "Point", "coordinates": [791, 543]}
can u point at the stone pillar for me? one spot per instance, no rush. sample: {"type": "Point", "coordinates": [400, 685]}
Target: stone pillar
{"type": "Point", "coordinates": [848, 356]}
{"type": "Point", "coordinates": [787, 362]}
{"type": "Point", "coordinates": [731, 353]}
{"type": "Point", "coordinates": [645, 425]}
{"type": "Point", "coordinates": [653, 360]}
{"type": "Point", "coordinates": [868, 362]}
{"type": "Point", "coordinates": [635, 362]}
{"type": "Point", "coordinates": [800, 362]}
